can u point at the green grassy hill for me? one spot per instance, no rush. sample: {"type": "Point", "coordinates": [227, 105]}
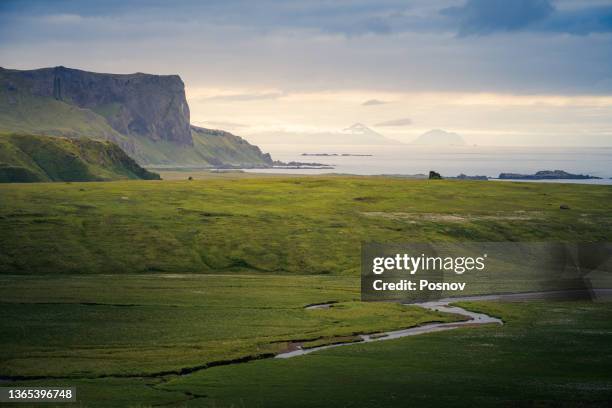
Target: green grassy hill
{"type": "Point", "coordinates": [30, 158]}
{"type": "Point", "coordinates": [211, 148]}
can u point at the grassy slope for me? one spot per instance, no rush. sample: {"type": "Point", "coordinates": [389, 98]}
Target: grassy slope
{"type": "Point", "coordinates": [209, 150]}
{"type": "Point", "coordinates": [28, 158]}
{"type": "Point", "coordinates": [94, 325]}
{"type": "Point", "coordinates": [293, 225]}
{"type": "Point", "coordinates": [225, 147]}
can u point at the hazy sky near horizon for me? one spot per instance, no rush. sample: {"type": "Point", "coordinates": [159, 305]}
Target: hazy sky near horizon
{"type": "Point", "coordinates": [499, 72]}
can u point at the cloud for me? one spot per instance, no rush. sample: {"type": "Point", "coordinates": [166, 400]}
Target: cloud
{"type": "Point", "coordinates": [395, 122]}
{"type": "Point", "coordinates": [259, 48]}
{"type": "Point", "coordinates": [487, 16]}
{"type": "Point", "coordinates": [373, 102]}
{"type": "Point", "coordinates": [481, 17]}
{"type": "Point", "coordinates": [220, 124]}
{"type": "Point", "coordinates": [581, 21]}
{"type": "Point", "coordinates": [62, 18]}
{"type": "Point", "coordinates": [245, 97]}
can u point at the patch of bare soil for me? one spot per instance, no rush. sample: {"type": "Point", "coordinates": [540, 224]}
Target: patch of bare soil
{"type": "Point", "coordinates": [437, 217]}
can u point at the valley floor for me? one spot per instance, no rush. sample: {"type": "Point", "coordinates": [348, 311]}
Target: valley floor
{"type": "Point", "coordinates": [546, 353]}
{"type": "Point", "coordinates": [178, 292]}
{"type": "Point", "coordinates": [151, 325]}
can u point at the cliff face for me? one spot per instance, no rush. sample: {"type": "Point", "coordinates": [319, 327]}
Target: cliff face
{"type": "Point", "coordinates": [146, 115]}
{"type": "Point", "coordinates": [149, 106]}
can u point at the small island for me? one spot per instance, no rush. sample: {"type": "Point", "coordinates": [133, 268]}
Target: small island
{"type": "Point", "coordinates": [336, 154]}
{"type": "Point", "coordinates": [294, 165]}
{"type": "Point", "coordinates": [434, 175]}
{"type": "Point", "coordinates": [466, 177]}
{"type": "Point", "coordinates": [546, 175]}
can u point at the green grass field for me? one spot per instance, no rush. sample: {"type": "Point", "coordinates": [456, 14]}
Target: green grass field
{"type": "Point", "coordinates": [547, 354]}
{"type": "Point", "coordinates": [285, 225]}
{"type": "Point", "coordinates": [134, 291]}
{"type": "Point", "coordinates": [91, 326]}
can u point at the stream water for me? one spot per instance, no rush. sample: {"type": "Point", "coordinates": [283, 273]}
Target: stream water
{"type": "Point", "coordinates": [443, 305]}
{"type": "Point", "coordinates": [440, 305]}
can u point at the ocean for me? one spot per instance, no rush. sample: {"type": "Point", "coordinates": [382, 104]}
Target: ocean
{"type": "Point", "coordinates": [449, 161]}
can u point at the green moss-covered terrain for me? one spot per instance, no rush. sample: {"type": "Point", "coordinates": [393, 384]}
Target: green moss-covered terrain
{"type": "Point", "coordinates": [152, 324]}
{"type": "Point", "coordinates": [211, 148]}
{"type": "Point", "coordinates": [547, 354]}
{"type": "Point", "coordinates": [29, 158]}
{"type": "Point", "coordinates": [205, 341]}
{"type": "Point", "coordinates": [179, 293]}
{"type": "Point", "coordinates": [288, 225]}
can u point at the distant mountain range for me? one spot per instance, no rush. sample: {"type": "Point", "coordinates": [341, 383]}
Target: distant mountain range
{"type": "Point", "coordinates": [438, 137]}
{"type": "Point", "coordinates": [146, 115]}
{"type": "Point", "coordinates": [356, 134]}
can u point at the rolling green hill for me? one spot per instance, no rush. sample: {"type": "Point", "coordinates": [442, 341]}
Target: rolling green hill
{"type": "Point", "coordinates": [146, 115]}
{"type": "Point", "coordinates": [31, 158]}
{"type": "Point", "coordinates": [284, 224]}
{"type": "Point", "coordinates": [211, 148]}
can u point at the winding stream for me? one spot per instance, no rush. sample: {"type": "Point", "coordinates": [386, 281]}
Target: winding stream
{"type": "Point", "coordinates": [440, 305]}
{"type": "Point", "coordinates": [443, 305]}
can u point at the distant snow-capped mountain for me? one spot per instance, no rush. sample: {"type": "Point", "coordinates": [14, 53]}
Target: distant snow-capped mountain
{"type": "Point", "coordinates": [356, 134]}
{"type": "Point", "coordinates": [438, 137]}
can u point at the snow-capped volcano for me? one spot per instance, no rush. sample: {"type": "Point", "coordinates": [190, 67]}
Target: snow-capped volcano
{"type": "Point", "coordinates": [361, 134]}
{"type": "Point", "coordinates": [356, 134]}
{"type": "Point", "coordinates": [360, 129]}
{"type": "Point", "coordinates": [438, 137]}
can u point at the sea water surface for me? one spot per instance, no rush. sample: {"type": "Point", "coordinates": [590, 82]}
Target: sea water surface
{"type": "Point", "coordinates": [449, 161]}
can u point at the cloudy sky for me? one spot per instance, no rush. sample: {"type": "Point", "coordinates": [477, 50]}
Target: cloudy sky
{"type": "Point", "coordinates": [499, 72]}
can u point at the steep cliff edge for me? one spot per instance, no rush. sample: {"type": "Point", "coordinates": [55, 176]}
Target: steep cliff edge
{"type": "Point", "coordinates": [151, 106]}
{"type": "Point", "coordinates": [146, 115]}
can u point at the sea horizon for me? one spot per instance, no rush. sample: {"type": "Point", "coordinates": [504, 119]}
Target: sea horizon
{"type": "Point", "coordinates": [449, 161]}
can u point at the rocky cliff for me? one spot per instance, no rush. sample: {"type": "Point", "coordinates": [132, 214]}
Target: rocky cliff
{"type": "Point", "coordinates": [146, 115]}
{"type": "Point", "coordinates": [152, 106]}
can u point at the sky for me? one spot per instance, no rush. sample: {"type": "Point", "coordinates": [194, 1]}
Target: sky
{"type": "Point", "coordinates": [498, 72]}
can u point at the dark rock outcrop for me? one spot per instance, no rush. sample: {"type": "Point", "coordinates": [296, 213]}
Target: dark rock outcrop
{"type": "Point", "coordinates": [434, 175]}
